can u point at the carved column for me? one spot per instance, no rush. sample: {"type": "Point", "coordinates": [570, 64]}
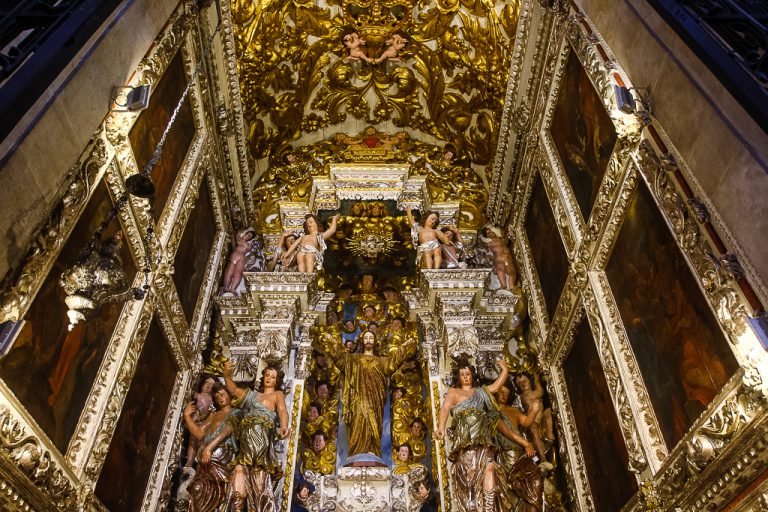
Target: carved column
{"type": "Point", "coordinates": [265, 323]}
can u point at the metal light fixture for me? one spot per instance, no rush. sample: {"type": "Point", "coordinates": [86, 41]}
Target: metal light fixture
{"type": "Point", "coordinates": [97, 277]}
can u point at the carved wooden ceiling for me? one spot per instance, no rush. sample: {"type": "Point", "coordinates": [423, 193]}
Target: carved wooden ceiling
{"type": "Point", "coordinates": [299, 81]}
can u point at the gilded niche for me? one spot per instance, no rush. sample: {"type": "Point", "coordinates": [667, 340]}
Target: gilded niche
{"type": "Point", "coordinates": [445, 170]}
{"type": "Point", "coordinates": [440, 68]}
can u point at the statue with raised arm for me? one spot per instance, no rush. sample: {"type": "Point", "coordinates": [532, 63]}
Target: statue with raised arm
{"type": "Point", "coordinates": [265, 419]}
{"type": "Point", "coordinates": [472, 452]}
{"type": "Point", "coordinates": [427, 239]}
{"type": "Point", "coordinates": [208, 489]}
{"type": "Point", "coordinates": [353, 47]}
{"type": "Point", "coordinates": [364, 391]}
{"type": "Point", "coordinates": [395, 43]}
{"type": "Point", "coordinates": [309, 248]}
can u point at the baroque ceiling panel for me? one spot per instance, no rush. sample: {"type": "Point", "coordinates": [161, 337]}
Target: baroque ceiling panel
{"type": "Point", "coordinates": [438, 69]}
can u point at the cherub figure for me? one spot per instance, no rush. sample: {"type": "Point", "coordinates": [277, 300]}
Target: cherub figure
{"type": "Point", "coordinates": [203, 406]}
{"type": "Point", "coordinates": [237, 260]}
{"type": "Point", "coordinates": [311, 245]}
{"type": "Point", "coordinates": [539, 419]}
{"type": "Point", "coordinates": [395, 43]}
{"type": "Point", "coordinates": [453, 255]}
{"type": "Point", "coordinates": [353, 44]}
{"type": "Point", "coordinates": [280, 262]}
{"type": "Point", "coordinates": [502, 261]}
{"type": "Point", "coordinates": [427, 238]}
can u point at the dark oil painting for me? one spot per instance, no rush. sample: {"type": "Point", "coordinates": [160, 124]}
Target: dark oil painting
{"type": "Point", "coordinates": [583, 134]}
{"type": "Point", "coordinates": [547, 249]}
{"type": "Point", "coordinates": [149, 127]}
{"type": "Point", "coordinates": [49, 369]}
{"type": "Point", "coordinates": [681, 351]}
{"type": "Point", "coordinates": [131, 453]}
{"type": "Point", "coordinates": [605, 454]}
{"type": "Point", "coordinates": [194, 249]}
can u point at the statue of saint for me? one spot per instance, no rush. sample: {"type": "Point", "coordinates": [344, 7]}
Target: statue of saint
{"type": "Point", "coordinates": [256, 463]}
{"type": "Point", "coordinates": [364, 390]}
{"type": "Point", "coordinates": [472, 435]}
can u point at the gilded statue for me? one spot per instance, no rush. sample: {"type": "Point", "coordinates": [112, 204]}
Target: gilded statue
{"type": "Point", "coordinates": [472, 437]}
{"type": "Point", "coordinates": [311, 246]}
{"type": "Point", "coordinates": [256, 465]}
{"type": "Point", "coordinates": [454, 180]}
{"type": "Point", "coordinates": [364, 389]}
{"type": "Point", "coordinates": [404, 464]}
{"type": "Point", "coordinates": [210, 486]}
{"type": "Point", "coordinates": [427, 239]}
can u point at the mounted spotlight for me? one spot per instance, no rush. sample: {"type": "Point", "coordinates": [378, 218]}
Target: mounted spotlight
{"type": "Point", "coordinates": [135, 98]}
{"type": "Point", "coordinates": [624, 99]}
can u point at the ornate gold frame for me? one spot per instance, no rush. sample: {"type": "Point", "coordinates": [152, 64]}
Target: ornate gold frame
{"type": "Point", "coordinates": [729, 438]}
{"type": "Point", "coordinates": [43, 478]}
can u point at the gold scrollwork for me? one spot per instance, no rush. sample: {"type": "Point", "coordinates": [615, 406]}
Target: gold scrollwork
{"type": "Point", "coordinates": [450, 83]}
{"type": "Point", "coordinates": [28, 454]}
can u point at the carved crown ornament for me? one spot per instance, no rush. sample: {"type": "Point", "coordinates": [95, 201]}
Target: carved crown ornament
{"type": "Point", "coordinates": [439, 69]}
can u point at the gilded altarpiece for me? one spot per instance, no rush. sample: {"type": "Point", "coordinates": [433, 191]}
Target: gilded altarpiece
{"type": "Point", "coordinates": [642, 233]}
{"type": "Point", "coordinates": [56, 465]}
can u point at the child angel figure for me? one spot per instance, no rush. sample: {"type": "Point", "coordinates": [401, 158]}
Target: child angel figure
{"type": "Point", "coordinates": [309, 248]}
{"type": "Point", "coordinates": [427, 239]}
{"type": "Point", "coordinates": [395, 43]}
{"type": "Point", "coordinates": [538, 421]}
{"type": "Point", "coordinates": [353, 50]}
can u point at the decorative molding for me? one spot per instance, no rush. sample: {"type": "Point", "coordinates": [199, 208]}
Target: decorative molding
{"type": "Point", "coordinates": [53, 234]}
{"type": "Point", "coordinates": [27, 452]}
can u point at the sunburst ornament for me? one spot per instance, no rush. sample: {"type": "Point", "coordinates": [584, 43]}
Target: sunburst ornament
{"type": "Point", "coordinates": [373, 243]}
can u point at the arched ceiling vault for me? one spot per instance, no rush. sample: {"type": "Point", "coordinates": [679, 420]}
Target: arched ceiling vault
{"type": "Point", "coordinates": [298, 82]}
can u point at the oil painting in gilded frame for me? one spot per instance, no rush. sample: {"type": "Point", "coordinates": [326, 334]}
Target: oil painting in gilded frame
{"type": "Point", "coordinates": [547, 249]}
{"type": "Point", "coordinates": [150, 125]}
{"type": "Point", "coordinates": [602, 444]}
{"type": "Point", "coordinates": [194, 251]}
{"type": "Point", "coordinates": [583, 133]}
{"type": "Point", "coordinates": [50, 369]}
{"type": "Point", "coordinates": [680, 349]}
{"type": "Point", "coordinates": [131, 453]}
